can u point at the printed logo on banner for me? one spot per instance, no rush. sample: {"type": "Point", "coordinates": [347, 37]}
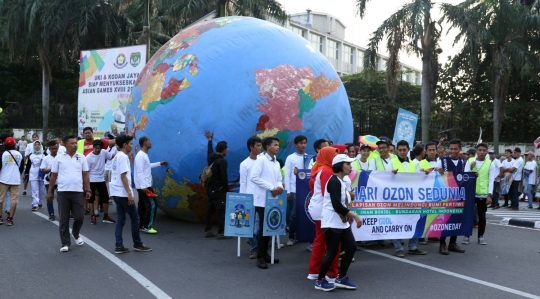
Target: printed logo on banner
{"type": "Point", "coordinates": [465, 177]}
{"type": "Point", "coordinates": [274, 224]}
{"type": "Point", "coordinates": [135, 59]}
{"type": "Point", "coordinates": [459, 177]}
{"type": "Point", "coordinates": [121, 61]}
{"type": "Point", "coordinates": [239, 215]}
{"type": "Point", "coordinates": [306, 206]}
{"type": "Point", "coordinates": [301, 175]}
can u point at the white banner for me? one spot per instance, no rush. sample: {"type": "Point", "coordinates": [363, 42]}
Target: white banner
{"type": "Point", "coordinates": [105, 81]}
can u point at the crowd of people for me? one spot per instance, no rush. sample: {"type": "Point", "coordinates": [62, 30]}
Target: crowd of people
{"type": "Point", "coordinates": [88, 174]}
{"type": "Point", "coordinates": [332, 191]}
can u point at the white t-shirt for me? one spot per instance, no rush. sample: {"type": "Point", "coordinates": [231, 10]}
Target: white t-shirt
{"type": "Point", "coordinates": [386, 162]}
{"type": "Point", "coordinates": [10, 168]}
{"type": "Point", "coordinates": [518, 164]}
{"type": "Point", "coordinates": [113, 151]}
{"type": "Point", "coordinates": [330, 218]}
{"type": "Point", "coordinates": [47, 163]}
{"type": "Point", "coordinates": [96, 164]}
{"type": "Point", "coordinates": [245, 172]}
{"type": "Point", "coordinates": [69, 170]}
{"type": "Point", "coordinates": [35, 163]}
{"type": "Point", "coordinates": [531, 165]}
{"type": "Point", "coordinates": [143, 170]}
{"type": "Point", "coordinates": [495, 170]}
{"type": "Point", "coordinates": [508, 164]}
{"type": "Point", "coordinates": [294, 160]}
{"type": "Point", "coordinates": [364, 165]}
{"type": "Point", "coordinates": [28, 150]}
{"type": "Point", "coordinates": [61, 149]}
{"type": "Point", "coordinates": [22, 144]}
{"type": "Point", "coordinates": [120, 164]}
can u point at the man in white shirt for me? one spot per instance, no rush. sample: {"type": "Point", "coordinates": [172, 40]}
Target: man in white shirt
{"type": "Point", "coordinates": [61, 148]}
{"type": "Point", "coordinates": [147, 207]}
{"type": "Point", "coordinates": [46, 166]}
{"type": "Point", "coordinates": [529, 178]}
{"type": "Point", "coordinates": [22, 144]}
{"type": "Point", "coordinates": [70, 170]}
{"type": "Point", "coordinates": [254, 147]}
{"type": "Point", "coordinates": [265, 175]}
{"type": "Point", "coordinates": [123, 196]}
{"type": "Point", "coordinates": [294, 161]}
{"type": "Point", "coordinates": [27, 153]}
{"type": "Point", "coordinates": [96, 163]}
{"type": "Point", "coordinates": [518, 174]}
{"type": "Point", "coordinates": [508, 167]}
{"type": "Point", "coordinates": [10, 177]}
{"type": "Point", "coordinates": [495, 172]}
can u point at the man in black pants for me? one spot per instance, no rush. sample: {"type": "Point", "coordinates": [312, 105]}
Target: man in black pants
{"type": "Point", "coordinates": [217, 188]}
{"type": "Point", "coordinates": [455, 164]}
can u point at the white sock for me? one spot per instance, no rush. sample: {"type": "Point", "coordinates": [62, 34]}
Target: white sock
{"type": "Point", "coordinates": [96, 212]}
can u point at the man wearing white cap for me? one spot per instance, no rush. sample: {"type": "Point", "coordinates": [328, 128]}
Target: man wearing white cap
{"type": "Point", "coordinates": [529, 178]}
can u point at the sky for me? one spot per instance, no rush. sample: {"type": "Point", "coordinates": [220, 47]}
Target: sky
{"type": "Point", "coordinates": [359, 30]}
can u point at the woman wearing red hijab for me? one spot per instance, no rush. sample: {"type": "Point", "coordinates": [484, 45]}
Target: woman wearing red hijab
{"type": "Point", "coordinates": [320, 174]}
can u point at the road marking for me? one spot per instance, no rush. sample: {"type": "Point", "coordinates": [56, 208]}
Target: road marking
{"type": "Point", "coordinates": [507, 225]}
{"type": "Point", "coordinates": [147, 284]}
{"type": "Point", "coordinates": [464, 277]}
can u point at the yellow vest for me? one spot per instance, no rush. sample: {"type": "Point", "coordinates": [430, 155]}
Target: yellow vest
{"type": "Point", "coordinates": [482, 181]}
{"type": "Point", "coordinates": [399, 166]}
{"type": "Point", "coordinates": [80, 145]}
{"type": "Point", "coordinates": [424, 164]}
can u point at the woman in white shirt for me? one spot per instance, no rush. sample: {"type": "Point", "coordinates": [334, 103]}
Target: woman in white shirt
{"type": "Point", "coordinates": [334, 223]}
{"type": "Point", "coordinates": [32, 171]}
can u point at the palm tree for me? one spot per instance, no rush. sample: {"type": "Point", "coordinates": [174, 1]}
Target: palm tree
{"type": "Point", "coordinates": [51, 33]}
{"type": "Point", "coordinates": [413, 30]}
{"type": "Point", "coordinates": [502, 34]}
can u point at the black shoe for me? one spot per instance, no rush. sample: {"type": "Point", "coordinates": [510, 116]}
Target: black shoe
{"type": "Point", "coordinates": [268, 259]}
{"type": "Point", "coordinates": [261, 263]}
{"type": "Point", "coordinates": [51, 217]}
{"type": "Point", "coordinates": [538, 208]}
{"type": "Point", "coordinates": [443, 250]}
{"type": "Point", "coordinates": [505, 205]}
{"type": "Point", "coordinates": [455, 248]}
{"type": "Point", "coordinates": [121, 250]}
{"type": "Point", "coordinates": [87, 212]}
{"type": "Point", "coordinates": [142, 248]}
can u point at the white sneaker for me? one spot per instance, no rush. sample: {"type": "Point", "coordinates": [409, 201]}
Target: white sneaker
{"type": "Point", "coordinates": [465, 241]}
{"type": "Point", "coordinates": [481, 241]}
{"type": "Point", "coordinates": [64, 249]}
{"type": "Point", "coordinates": [290, 242]}
{"type": "Point", "coordinates": [78, 241]}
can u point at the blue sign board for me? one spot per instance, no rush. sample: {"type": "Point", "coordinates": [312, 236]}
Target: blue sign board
{"type": "Point", "coordinates": [405, 127]}
{"type": "Point", "coordinates": [239, 215]}
{"type": "Point", "coordinates": [275, 214]}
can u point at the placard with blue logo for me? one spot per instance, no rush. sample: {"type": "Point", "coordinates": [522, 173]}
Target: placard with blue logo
{"type": "Point", "coordinates": [239, 215]}
{"type": "Point", "coordinates": [305, 226]}
{"type": "Point", "coordinates": [275, 214]}
{"type": "Point", "coordinates": [414, 205]}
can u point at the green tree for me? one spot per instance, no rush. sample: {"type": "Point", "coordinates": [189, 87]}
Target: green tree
{"type": "Point", "coordinates": [504, 36]}
{"type": "Point", "coordinates": [50, 34]}
{"type": "Point", "coordinates": [413, 30]}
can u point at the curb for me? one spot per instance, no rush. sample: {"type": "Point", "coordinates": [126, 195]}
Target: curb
{"type": "Point", "coordinates": [520, 222]}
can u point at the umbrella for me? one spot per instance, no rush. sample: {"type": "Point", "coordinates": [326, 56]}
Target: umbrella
{"type": "Point", "coordinates": [537, 143]}
{"type": "Point", "coordinates": [369, 140]}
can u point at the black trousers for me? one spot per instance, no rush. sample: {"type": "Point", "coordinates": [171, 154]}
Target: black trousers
{"type": "Point", "coordinates": [482, 209]}
{"type": "Point", "coordinates": [262, 241]}
{"type": "Point", "coordinates": [336, 238]}
{"type": "Point", "coordinates": [453, 240]}
{"type": "Point", "coordinates": [216, 204]}
{"type": "Point", "coordinates": [147, 209]}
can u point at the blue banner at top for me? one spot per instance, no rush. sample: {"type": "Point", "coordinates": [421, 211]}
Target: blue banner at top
{"type": "Point", "coordinates": [405, 127]}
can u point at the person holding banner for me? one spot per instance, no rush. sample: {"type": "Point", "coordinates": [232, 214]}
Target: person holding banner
{"type": "Point", "coordinates": [403, 164]}
{"type": "Point", "coordinates": [320, 174]}
{"type": "Point", "coordinates": [455, 164]}
{"type": "Point", "coordinates": [254, 147]}
{"type": "Point", "coordinates": [484, 188]}
{"type": "Point", "coordinates": [294, 161]}
{"type": "Point", "coordinates": [265, 175]}
{"type": "Point", "coordinates": [335, 224]}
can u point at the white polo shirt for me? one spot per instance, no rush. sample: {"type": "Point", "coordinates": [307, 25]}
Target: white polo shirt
{"type": "Point", "coordinates": [96, 164]}
{"type": "Point", "coordinates": [69, 170]}
{"type": "Point", "coordinates": [120, 164]}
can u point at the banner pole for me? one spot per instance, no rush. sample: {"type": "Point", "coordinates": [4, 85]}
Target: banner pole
{"type": "Point", "coordinates": [238, 247]}
{"type": "Point", "coordinates": [273, 250]}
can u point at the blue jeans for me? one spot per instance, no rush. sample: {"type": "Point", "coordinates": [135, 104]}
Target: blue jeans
{"type": "Point", "coordinates": [253, 241]}
{"type": "Point", "coordinates": [50, 206]}
{"type": "Point", "coordinates": [291, 209]}
{"type": "Point", "coordinates": [529, 192]}
{"type": "Point", "coordinates": [398, 246]}
{"type": "Point", "coordinates": [122, 208]}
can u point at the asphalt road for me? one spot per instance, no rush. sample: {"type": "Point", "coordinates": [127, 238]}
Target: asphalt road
{"type": "Point", "coordinates": [183, 264]}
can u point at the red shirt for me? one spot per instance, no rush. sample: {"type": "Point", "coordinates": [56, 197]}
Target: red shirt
{"type": "Point", "coordinates": [89, 145]}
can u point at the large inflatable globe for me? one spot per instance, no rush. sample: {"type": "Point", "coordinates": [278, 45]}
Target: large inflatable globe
{"type": "Point", "coordinates": [235, 77]}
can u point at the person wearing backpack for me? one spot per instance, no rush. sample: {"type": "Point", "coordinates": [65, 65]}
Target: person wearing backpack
{"type": "Point", "coordinates": [10, 177]}
{"type": "Point", "coordinates": [217, 187]}
{"type": "Point", "coordinates": [35, 175]}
